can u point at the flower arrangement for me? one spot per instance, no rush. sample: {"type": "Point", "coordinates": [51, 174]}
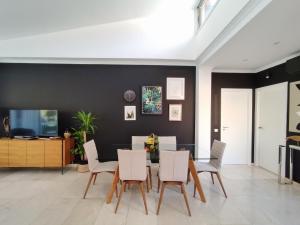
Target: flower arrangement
{"type": "Point", "coordinates": [151, 144]}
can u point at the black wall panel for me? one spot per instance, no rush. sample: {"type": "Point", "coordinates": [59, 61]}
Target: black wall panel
{"type": "Point", "coordinates": [98, 89]}
{"type": "Point", "coordinates": [226, 80]}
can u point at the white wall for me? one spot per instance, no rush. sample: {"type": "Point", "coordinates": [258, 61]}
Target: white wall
{"type": "Point", "coordinates": [203, 110]}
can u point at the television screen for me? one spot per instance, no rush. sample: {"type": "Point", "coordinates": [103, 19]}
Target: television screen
{"type": "Point", "coordinates": [33, 123]}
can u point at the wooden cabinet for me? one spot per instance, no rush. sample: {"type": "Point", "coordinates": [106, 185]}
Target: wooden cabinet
{"type": "Point", "coordinates": [35, 153]}
{"type": "Point", "coordinates": [4, 153]}
{"type": "Point", "coordinates": [17, 153]}
{"type": "Point", "coordinates": [53, 153]}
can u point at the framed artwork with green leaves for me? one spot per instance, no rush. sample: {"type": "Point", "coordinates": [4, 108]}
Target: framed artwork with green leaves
{"type": "Point", "coordinates": [152, 100]}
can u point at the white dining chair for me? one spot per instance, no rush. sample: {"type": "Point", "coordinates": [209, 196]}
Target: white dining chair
{"type": "Point", "coordinates": [138, 143]}
{"type": "Point", "coordinates": [173, 170]}
{"type": "Point", "coordinates": [167, 143]}
{"type": "Point", "coordinates": [95, 166]}
{"type": "Point", "coordinates": [132, 170]}
{"type": "Point", "coordinates": [214, 165]}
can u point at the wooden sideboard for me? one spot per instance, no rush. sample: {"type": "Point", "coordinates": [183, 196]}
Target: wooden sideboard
{"type": "Point", "coordinates": [43, 153]}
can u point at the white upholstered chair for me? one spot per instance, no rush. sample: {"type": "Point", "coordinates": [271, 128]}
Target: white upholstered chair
{"type": "Point", "coordinates": [167, 143]}
{"type": "Point", "coordinates": [173, 170]}
{"type": "Point", "coordinates": [132, 170]}
{"type": "Point", "coordinates": [214, 165]}
{"type": "Point", "coordinates": [94, 165]}
{"type": "Point", "coordinates": [138, 143]}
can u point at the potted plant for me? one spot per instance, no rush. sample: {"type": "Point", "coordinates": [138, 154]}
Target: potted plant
{"type": "Point", "coordinates": [85, 126]}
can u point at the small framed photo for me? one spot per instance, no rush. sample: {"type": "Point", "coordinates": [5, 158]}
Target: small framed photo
{"type": "Point", "coordinates": [175, 112]}
{"type": "Point", "coordinates": [129, 112]}
{"type": "Point", "coordinates": [175, 88]}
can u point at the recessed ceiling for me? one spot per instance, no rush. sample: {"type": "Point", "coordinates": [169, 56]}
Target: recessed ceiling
{"type": "Point", "coordinates": [31, 17]}
{"type": "Point", "coordinates": [271, 36]}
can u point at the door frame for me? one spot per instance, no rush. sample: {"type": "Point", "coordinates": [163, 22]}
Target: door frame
{"type": "Point", "coordinates": [256, 136]}
{"type": "Point", "coordinates": [249, 121]}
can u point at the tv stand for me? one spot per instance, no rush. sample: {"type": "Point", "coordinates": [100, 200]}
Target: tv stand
{"type": "Point", "coordinates": [25, 137]}
{"type": "Point", "coordinates": [41, 153]}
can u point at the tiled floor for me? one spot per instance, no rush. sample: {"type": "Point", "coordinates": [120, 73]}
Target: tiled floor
{"type": "Point", "coordinates": [45, 197]}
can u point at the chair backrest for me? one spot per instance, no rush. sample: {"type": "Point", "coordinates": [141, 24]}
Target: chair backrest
{"type": "Point", "coordinates": [173, 165]}
{"type": "Point", "coordinates": [92, 154]}
{"type": "Point", "coordinates": [217, 151]}
{"type": "Point", "coordinates": [167, 143]}
{"type": "Point", "coordinates": [132, 164]}
{"type": "Point", "coordinates": [138, 142]}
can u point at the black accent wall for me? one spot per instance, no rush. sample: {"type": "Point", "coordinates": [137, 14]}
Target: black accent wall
{"type": "Point", "coordinates": [99, 89]}
{"type": "Point", "coordinates": [227, 80]}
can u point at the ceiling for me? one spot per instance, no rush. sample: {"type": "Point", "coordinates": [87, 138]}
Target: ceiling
{"type": "Point", "coordinates": [272, 35]}
{"type": "Point", "coordinates": [31, 17]}
{"type": "Point", "coordinates": [150, 30]}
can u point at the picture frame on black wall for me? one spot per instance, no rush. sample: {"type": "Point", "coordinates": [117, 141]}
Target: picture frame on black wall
{"type": "Point", "coordinates": [152, 100]}
{"type": "Point", "coordinates": [175, 112]}
{"type": "Point", "coordinates": [129, 112]}
{"type": "Point", "coordinates": [294, 111]}
{"type": "Point", "coordinates": [175, 88]}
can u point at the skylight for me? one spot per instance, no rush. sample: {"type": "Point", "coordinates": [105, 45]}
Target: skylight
{"type": "Point", "coordinates": [204, 9]}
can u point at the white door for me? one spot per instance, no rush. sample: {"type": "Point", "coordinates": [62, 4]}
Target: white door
{"type": "Point", "coordinates": [236, 125]}
{"type": "Point", "coordinates": [270, 124]}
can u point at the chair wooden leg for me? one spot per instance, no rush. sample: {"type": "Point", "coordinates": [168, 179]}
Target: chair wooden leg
{"type": "Point", "coordinates": [120, 195]}
{"type": "Point", "coordinates": [161, 197]}
{"type": "Point", "coordinates": [158, 184]}
{"type": "Point", "coordinates": [185, 199]}
{"type": "Point", "coordinates": [220, 180]}
{"type": "Point", "coordinates": [194, 195]}
{"type": "Point", "coordinates": [147, 182]}
{"type": "Point", "coordinates": [150, 177]}
{"type": "Point", "coordinates": [88, 185]}
{"type": "Point", "coordinates": [141, 186]}
{"type": "Point", "coordinates": [95, 178]}
{"type": "Point", "coordinates": [116, 191]}
{"type": "Point", "coordinates": [188, 176]}
{"type": "Point", "coordinates": [212, 177]}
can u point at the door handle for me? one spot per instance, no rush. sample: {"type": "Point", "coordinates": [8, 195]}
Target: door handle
{"type": "Point", "coordinates": [260, 127]}
{"type": "Point", "coordinates": [224, 128]}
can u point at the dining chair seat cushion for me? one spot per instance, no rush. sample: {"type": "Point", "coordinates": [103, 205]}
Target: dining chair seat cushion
{"type": "Point", "coordinates": [205, 167]}
{"type": "Point", "coordinates": [110, 166]}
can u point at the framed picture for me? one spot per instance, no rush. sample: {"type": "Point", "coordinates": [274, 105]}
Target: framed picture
{"type": "Point", "coordinates": [152, 100]}
{"type": "Point", "coordinates": [175, 88]}
{"type": "Point", "coordinates": [175, 112]}
{"type": "Point", "coordinates": [294, 117]}
{"type": "Point", "coordinates": [129, 112]}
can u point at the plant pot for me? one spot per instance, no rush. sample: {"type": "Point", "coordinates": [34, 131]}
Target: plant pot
{"type": "Point", "coordinates": [83, 168]}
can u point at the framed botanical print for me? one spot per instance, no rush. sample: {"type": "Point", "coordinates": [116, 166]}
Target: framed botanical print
{"type": "Point", "coordinates": [152, 100]}
{"type": "Point", "coordinates": [175, 112]}
{"type": "Point", "coordinates": [129, 112]}
{"type": "Point", "coordinates": [175, 88]}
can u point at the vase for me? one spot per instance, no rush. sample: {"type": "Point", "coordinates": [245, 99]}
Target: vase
{"type": "Point", "coordinates": [154, 157]}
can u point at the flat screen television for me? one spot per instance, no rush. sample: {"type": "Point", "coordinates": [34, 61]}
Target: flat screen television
{"type": "Point", "coordinates": [33, 123]}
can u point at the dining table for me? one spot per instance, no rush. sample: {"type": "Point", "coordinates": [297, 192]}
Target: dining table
{"type": "Point", "coordinates": [155, 157]}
